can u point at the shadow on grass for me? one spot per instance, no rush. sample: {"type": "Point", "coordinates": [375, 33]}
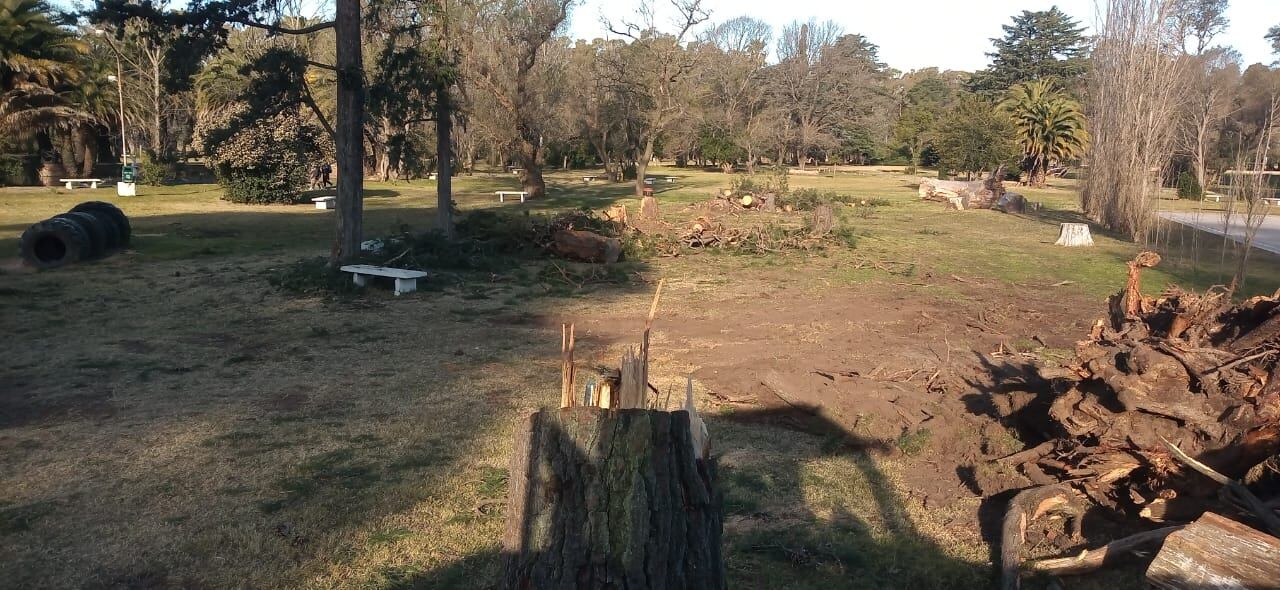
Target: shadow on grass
{"type": "Point", "coordinates": [774, 539]}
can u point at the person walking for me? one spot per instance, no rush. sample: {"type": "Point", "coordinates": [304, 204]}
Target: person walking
{"type": "Point", "coordinates": [325, 171]}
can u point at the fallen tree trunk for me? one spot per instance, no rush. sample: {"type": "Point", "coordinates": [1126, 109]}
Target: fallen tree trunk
{"type": "Point", "coordinates": [611, 499]}
{"type": "Point", "coordinates": [1091, 560]}
{"type": "Point", "coordinates": [1216, 552]}
{"type": "Point", "coordinates": [586, 246]}
{"type": "Point", "coordinates": [976, 194]}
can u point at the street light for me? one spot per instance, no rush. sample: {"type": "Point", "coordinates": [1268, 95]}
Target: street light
{"type": "Point", "coordinates": [123, 189]}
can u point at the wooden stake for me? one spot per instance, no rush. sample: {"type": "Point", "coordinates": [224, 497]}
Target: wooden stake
{"type": "Point", "coordinates": [644, 343]}
{"type": "Point", "coordinates": [567, 369]}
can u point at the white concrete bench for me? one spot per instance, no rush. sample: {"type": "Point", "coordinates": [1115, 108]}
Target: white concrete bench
{"type": "Point", "coordinates": [1213, 197]}
{"type": "Point", "coordinates": [588, 179]}
{"type": "Point", "coordinates": [71, 183]}
{"type": "Point", "coordinates": [325, 202]}
{"type": "Point", "coordinates": [406, 280]}
{"type": "Point", "coordinates": [1273, 201]}
{"type": "Point", "coordinates": [502, 195]}
{"type": "Point", "coordinates": [669, 179]}
{"type": "Point", "coordinates": [517, 170]}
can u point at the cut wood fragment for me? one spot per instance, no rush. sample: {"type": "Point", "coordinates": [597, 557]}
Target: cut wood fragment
{"type": "Point", "coordinates": [1091, 560]}
{"type": "Point", "coordinates": [585, 246]}
{"type": "Point", "coordinates": [1216, 552]}
{"type": "Point", "coordinates": [1025, 507]}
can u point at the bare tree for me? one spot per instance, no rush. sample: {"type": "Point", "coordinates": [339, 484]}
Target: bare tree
{"type": "Point", "coordinates": [1135, 92]}
{"type": "Point", "coordinates": [1248, 187]}
{"type": "Point", "coordinates": [653, 73]}
{"type": "Point", "coordinates": [1195, 23]}
{"type": "Point", "coordinates": [507, 39]}
{"type": "Point", "coordinates": [1209, 79]}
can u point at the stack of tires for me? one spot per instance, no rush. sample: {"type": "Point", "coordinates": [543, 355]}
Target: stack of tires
{"type": "Point", "coordinates": [89, 230]}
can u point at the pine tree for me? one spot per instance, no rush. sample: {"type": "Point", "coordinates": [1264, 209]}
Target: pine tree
{"type": "Point", "coordinates": [1040, 44]}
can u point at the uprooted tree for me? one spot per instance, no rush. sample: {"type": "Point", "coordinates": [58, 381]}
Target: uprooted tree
{"type": "Point", "coordinates": [1170, 406]}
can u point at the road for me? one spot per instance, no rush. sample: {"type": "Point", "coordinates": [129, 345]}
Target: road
{"type": "Point", "coordinates": [1267, 238]}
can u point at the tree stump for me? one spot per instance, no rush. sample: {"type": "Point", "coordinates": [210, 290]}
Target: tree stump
{"type": "Point", "coordinates": [1074, 234]}
{"type": "Point", "coordinates": [611, 499]}
{"type": "Point", "coordinates": [648, 208]}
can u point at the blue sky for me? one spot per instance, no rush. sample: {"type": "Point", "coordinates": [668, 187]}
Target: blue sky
{"type": "Point", "coordinates": [912, 34]}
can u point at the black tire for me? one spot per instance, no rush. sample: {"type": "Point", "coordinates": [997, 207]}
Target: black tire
{"type": "Point", "coordinates": [122, 222]}
{"type": "Point", "coordinates": [92, 228]}
{"type": "Point", "coordinates": [107, 223]}
{"type": "Point", "coordinates": [53, 243]}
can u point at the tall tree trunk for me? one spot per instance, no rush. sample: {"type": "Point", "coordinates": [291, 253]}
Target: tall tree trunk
{"type": "Point", "coordinates": [531, 180]}
{"type": "Point", "coordinates": [350, 144]}
{"type": "Point", "coordinates": [89, 149]}
{"type": "Point", "coordinates": [444, 163]}
{"type": "Point", "coordinates": [611, 499]}
{"type": "Point", "coordinates": [642, 165]}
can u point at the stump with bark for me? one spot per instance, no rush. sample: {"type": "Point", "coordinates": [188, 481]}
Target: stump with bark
{"type": "Point", "coordinates": [611, 490]}
{"type": "Point", "coordinates": [649, 208]}
{"type": "Point", "coordinates": [611, 499]}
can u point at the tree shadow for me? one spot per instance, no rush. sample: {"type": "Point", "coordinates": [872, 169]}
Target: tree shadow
{"type": "Point", "coordinates": [774, 538]}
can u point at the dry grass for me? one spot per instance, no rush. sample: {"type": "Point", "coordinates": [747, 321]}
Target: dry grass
{"type": "Point", "coordinates": [169, 420]}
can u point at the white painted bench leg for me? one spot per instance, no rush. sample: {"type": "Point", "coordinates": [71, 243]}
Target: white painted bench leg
{"type": "Point", "coordinates": [406, 286]}
{"type": "Point", "coordinates": [69, 187]}
{"type": "Point", "coordinates": [500, 198]}
{"type": "Point", "coordinates": [360, 279]}
{"type": "Point", "coordinates": [521, 197]}
{"type": "Point", "coordinates": [93, 184]}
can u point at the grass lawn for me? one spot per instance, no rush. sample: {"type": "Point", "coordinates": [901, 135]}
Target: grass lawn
{"type": "Point", "coordinates": [169, 419]}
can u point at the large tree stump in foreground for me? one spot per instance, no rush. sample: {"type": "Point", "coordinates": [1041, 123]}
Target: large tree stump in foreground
{"type": "Point", "coordinates": [611, 499]}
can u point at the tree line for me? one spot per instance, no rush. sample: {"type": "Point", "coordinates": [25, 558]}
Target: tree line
{"type": "Point", "coordinates": [385, 87]}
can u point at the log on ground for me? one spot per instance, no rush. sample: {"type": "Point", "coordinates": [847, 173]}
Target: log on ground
{"type": "Point", "coordinates": [585, 246]}
{"type": "Point", "coordinates": [1216, 552]}
{"type": "Point", "coordinates": [611, 499]}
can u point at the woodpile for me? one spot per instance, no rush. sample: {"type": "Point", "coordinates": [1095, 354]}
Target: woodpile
{"type": "Point", "coordinates": [1170, 408]}
{"type": "Point", "coordinates": [612, 490]}
{"type": "Point", "coordinates": [960, 195]}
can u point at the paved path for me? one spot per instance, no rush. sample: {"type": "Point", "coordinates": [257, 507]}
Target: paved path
{"type": "Point", "coordinates": [1267, 238]}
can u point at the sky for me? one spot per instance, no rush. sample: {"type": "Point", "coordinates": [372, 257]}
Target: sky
{"type": "Point", "coordinates": [914, 34]}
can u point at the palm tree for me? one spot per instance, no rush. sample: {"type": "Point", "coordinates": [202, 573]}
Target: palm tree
{"type": "Point", "coordinates": [38, 62]}
{"type": "Point", "coordinates": [1050, 124]}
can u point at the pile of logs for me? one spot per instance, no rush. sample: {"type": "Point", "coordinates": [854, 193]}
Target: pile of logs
{"type": "Point", "coordinates": [611, 490]}
{"type": "Point", "coordinates": [1170, 409]}
{"type": "Point", "coordinates": [961, 195]}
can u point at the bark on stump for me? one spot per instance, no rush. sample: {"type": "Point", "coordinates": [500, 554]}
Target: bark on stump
{"type": "Point", "coordinates": [648, 208]}
{"type": "Point", "coordinates": [611, 499]}
{"type": "Point", "coordinates": [1074, 234]}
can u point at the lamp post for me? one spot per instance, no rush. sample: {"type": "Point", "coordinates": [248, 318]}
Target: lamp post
{"type": "Point", "coordinates": [126, 186]}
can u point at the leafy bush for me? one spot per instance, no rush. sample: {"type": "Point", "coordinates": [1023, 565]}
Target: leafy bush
{"type": "Point", "coordinates": [262, 160]}
{"type": "Point", "coordinates": [154, 171]}
{"type": "Point", "coordinates": [1188, 186]}
{"type": "Point", "coordinates": [16, 171]}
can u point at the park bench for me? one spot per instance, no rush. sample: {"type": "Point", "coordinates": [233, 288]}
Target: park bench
{"type": "Point", "coordinates": [406, 280]}
{"type": "Point", "coordinates": [517, 170]}
{"type": "Point", "coordinates": [669, 179]}
{"type": "Point", "coordinates": [325, 202]}
{"type": "Point", "coordinates": [502, 195]}
{"type": "Point", "coordinates": [1215, 197]}
{"type": "Point", "coordinates": [588, 179]}
{"type": "Point", "coordinates": [71, 183]}
{"type": "Point", "coordinates": [1273, 201]}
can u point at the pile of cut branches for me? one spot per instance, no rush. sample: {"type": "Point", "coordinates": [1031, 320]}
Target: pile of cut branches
{"type": "Point", "coordinates": [1168, 400]}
